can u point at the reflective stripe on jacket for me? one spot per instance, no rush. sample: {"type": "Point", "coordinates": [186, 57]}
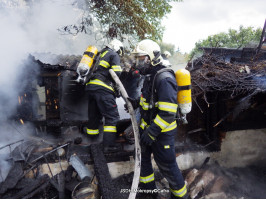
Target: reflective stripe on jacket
{"type": "Point", "coordinates": [165, 108]}
{"type": "Point", "coordinates": [101, 77]}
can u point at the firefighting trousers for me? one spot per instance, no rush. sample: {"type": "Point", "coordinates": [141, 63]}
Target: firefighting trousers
{"type": "Point", "coordinates": [102, 104]}
{"type": "Point", "coordinates": [164, 155]}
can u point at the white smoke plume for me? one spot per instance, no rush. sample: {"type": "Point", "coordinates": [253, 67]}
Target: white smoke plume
{"type": "Point", "coordinates": [11, 132]}
{"type": "Point", "coordinates": [29, 27]}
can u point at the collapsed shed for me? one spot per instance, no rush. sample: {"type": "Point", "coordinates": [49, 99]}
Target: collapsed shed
{"type": "Point", "coordinates": [228, 118]}
{"type": "Point", "coordinates": [229, 91]}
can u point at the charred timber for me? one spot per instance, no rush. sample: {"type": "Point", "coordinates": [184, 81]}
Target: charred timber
{"type": "Point", "coordinates": [47, 153]}
{"type": "Point", "coordinates": [30, 190]}
{"type": "Point", "coordinates": [107, 188]}
{"type": "Point", "coordinates": [11, 144]}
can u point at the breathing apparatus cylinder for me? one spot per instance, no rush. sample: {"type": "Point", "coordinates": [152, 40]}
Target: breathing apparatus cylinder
{"type": "Point", "coordinates": [184, 90]}
{"type": "Point", "coordinates": [86, 62]}
{"type": "Point", "coordinates": [88, 56]}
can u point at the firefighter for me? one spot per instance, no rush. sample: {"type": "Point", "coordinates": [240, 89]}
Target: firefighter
{"type": "Point", "coordinates": [158, 124]}
{"type": "Point", "coordinates": [102, 93]}
{"type": "Point", "coordinates": [166, 55]}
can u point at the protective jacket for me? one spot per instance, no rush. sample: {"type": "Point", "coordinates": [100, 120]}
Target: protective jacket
{"type": "Point", "coordinates": [101, 78]}
{"type": "Point", "coordinates": [101, 97]}
{"type": "Point", "coordinates": [158, 118]}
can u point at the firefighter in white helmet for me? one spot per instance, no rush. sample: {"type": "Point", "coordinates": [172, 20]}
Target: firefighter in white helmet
{"type": "Point", "coordinates": [102, 94]}
{"type": "Point", "coordinates": [158, 103]}
{"type": "Point", "coordinates": [166, 55]}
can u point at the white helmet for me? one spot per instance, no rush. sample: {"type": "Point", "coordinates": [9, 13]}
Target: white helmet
{"type": "Point", "coordinates": [150, 48]}
{"type": "Point", "coordinates": [167, 54]}
{"type": "Point", "coordinates": [117, 46]}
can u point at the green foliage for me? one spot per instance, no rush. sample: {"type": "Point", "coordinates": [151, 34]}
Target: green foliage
{"type": "Point", "coordinates": [141, 18]}
{"type": "Point", "coordinates": [233, 39]}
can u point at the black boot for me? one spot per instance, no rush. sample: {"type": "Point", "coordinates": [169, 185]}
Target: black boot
{"type": "Point", "coordinates": [111, 149]}
{"type": "Point", "coordinates": [84, 130]}
{"type": "Point", "coordinates": [109, 145]}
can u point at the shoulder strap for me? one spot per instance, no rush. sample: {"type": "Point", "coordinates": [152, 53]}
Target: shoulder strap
{"type": "Point", "coordinates": [93, 67]}
{"type": "Point", "coordinates": [160, 75]}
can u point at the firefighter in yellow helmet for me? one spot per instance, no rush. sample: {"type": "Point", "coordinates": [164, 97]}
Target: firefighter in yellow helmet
{"type": "Point", "coordinates": [158, 103]}
{"type": "Point", "coordinates": [102, 94]}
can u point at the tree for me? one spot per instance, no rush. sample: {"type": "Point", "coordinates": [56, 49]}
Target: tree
{"type": "Point", "coordinates": [141, 18]}
{"type": "Point", "coordinates": [233, 39]}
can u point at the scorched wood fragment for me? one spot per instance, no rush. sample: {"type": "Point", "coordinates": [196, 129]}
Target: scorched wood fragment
{"type": "Point", "coordinates": [206, 178]}
{"type": "Point", "coordinates": [107, 188]}
{"type": "Point", "coordinates": [29, 190]}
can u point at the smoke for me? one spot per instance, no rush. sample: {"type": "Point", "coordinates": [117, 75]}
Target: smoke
{"type": "Point", "coordinates": [242, 148]}
{"type": "Point", "coordinates": [29, 27]}
{"type": "Point", "coordinates": [261, 81]}
{"type": "Point", "coordinates": [189, 160]}
{"type": "Point", "coordinates": [11, 132]}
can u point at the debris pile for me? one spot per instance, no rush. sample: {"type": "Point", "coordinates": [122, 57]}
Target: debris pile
{"type": "Point", "coordinates": [226, 96]}
{"type": "Point", "coordinates": [37, 168]}
{"type": "Point", "coordinates": [215, 182]}
{"type": "Point", "coordinates": [211, 74]}
{"type": "Point", "coordinates": [40, 169]}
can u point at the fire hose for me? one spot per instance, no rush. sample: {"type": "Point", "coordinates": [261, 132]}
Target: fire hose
{"type": "Point", "coordinates": [131, 111]}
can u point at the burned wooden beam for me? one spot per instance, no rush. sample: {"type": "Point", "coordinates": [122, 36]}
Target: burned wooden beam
{"type": "Point", "coordinates": [262, 39]}
{"type": "Point", "coordinates": [23, 151]}
{"type": "Point", "coordinates": [11, 144]}
{"type": "Point", "coordinates": [47, 153]}
{"type": "Point", "coordinates": [201, 183]}
{"type": "Point", "coordinates": [190, 177]}
{"type": "Point", "coordinates": [38, 190]}
{"type": "Point", "coordinates": [59, 184]}
{"type": "Point", "coordinates": [107, 188]}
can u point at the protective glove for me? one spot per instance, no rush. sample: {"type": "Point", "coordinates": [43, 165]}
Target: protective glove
{"type": "Point", "coordinates": [134, 102]}
{"type": "Point", "coordinates": [146, 138]}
